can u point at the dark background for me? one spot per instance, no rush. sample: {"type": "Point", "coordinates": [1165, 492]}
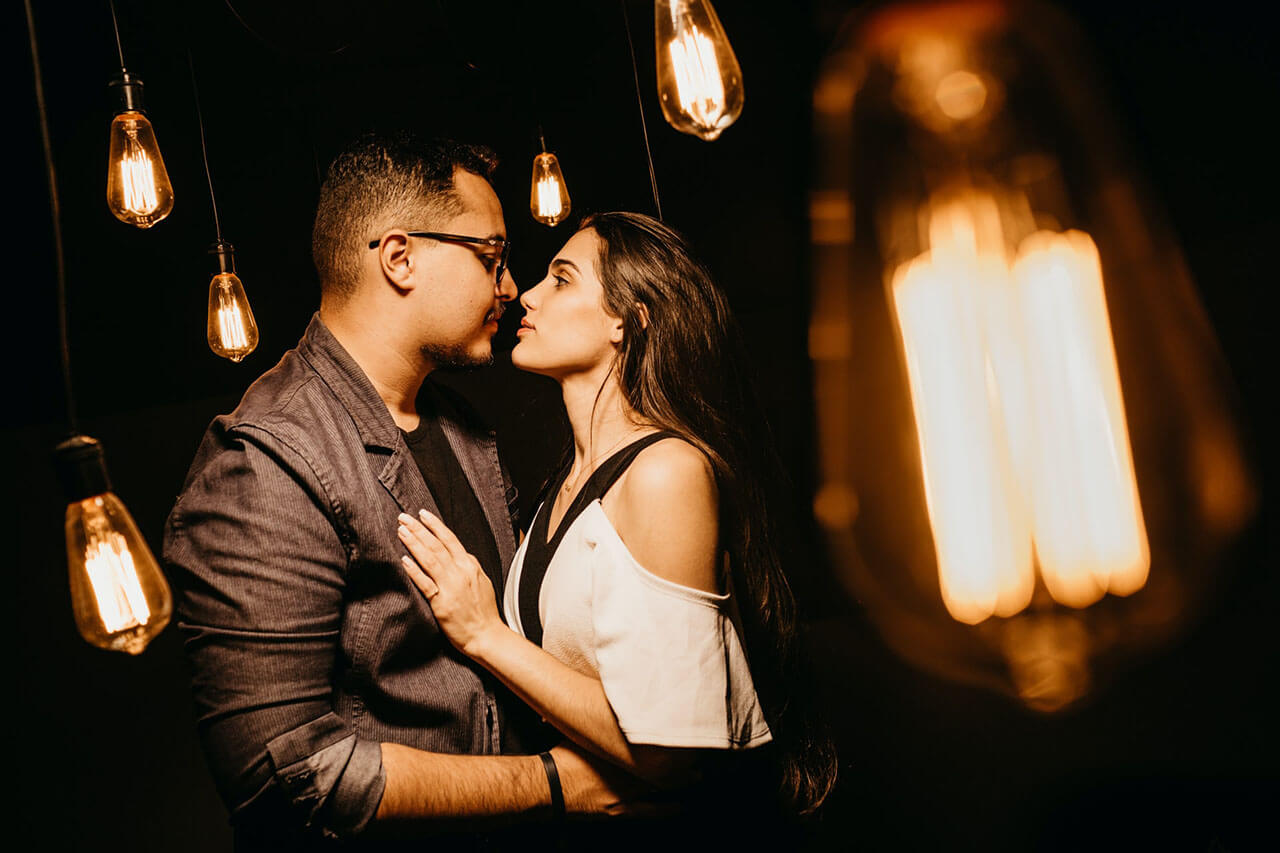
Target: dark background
{"type": "Point", "coordinates": [1179, 754]}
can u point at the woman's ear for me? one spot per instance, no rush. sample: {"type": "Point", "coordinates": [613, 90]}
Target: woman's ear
{"type": "Point", "coordinates": [642, 311]}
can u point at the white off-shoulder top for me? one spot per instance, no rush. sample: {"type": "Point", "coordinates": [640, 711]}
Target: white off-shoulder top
{"type": "Point", "coordinates": [669, 656]}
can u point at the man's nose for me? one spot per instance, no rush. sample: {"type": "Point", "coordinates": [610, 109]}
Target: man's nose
{"type": "Point", "coordinates": [506, 288]}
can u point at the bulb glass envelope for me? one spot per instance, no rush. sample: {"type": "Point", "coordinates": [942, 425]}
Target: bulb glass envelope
{"type": "Point", "coordinates": [1029, 463]}
{"type": "Point", "coordinates": [119, 597]}
{"type": "Point", "coordinates": [232, 331]}
{"type": "Point", "coordinates": [548, 194]}
{"type": "Point", "coordinates": [138, 188]}
{"type": "Point", "coordinates": [699, 80]}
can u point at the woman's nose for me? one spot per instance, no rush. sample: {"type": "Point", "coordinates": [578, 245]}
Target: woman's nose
{"type": "Point", "coordinates": [526, 298]}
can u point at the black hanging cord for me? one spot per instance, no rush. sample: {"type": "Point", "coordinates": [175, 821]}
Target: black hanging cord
{"type": "Point", "coordinates": [204, 149]}
{"type": "Point", "coordinates": [115, 25]}
{"type": "Point", "coordinates": [57, 224]}
{"type": "Point", "coordinates": [275, 47]}
{"type": "Point", "coordinates": [653, 179]}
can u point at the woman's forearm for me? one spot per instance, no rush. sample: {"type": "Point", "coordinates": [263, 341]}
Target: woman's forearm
{"type": "Point", "coordinates": [574, 703]}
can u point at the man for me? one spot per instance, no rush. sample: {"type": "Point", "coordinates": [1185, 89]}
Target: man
{"type": "Point", "coordinates": [329, 704]}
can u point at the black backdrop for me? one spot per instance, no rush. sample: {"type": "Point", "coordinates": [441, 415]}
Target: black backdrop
{"type": "Point", "coordinates": [1181, 754]}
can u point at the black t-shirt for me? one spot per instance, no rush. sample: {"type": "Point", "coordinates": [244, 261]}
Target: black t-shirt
{"type": "Point", "coordinates": [456, 500]}
{"type": "Point", "coordinates": [522, 729]}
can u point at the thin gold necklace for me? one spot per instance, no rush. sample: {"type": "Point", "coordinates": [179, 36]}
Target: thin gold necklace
{"type": "Point", "coordinates": [571, 481]}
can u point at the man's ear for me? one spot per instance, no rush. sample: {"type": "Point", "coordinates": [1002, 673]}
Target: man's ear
{"type": "Point", "coordinates": [396, 259]}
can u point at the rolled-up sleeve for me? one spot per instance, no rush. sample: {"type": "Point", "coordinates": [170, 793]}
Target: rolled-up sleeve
{"type": "Point", "coordinates": [260, 570]}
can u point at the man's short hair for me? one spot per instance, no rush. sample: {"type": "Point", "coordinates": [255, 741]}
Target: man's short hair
{"type": "Point", "coordinates": [381, 182]}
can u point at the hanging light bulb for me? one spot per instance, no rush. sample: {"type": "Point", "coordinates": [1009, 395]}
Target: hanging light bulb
{"type": "Point", "coordinates": [548, 194]}
{"type": "Point", "coordinates": [699, 81]}
{"type": "Point", "coordinates": [118, 595]}
{"type": "Point", "coordinates": [232, 332]}
{"type": "Point", "coordinates": [1030, 465]}
{"type": "Point", "coordinates": [138, 188]}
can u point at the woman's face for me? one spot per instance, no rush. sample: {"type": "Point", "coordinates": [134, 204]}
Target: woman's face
{"type": "Point", "coordinates": [566, 330]}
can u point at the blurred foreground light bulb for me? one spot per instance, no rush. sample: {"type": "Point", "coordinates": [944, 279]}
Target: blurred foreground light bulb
{"type": "Point", "coordinates": [138, 188]}
{"type": "Point", "coordinates": [118, 595]}
{"type": "Point", "coordinates": [699, 81]}
{"type": "Point", "coordinates": [1030, 464]}
{"type": "Point", "coordinates": [232, 332]}
{"type": "Point", "coordinates": [548, 194]}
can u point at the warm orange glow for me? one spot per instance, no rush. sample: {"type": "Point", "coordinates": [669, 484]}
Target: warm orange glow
{"type": "Point", "coordinates": [1089, 533]}
{"type": "Point", "coordinates": [139, 180]}
{"type": "Point", "coordinates": [699, 80]}
{"type": "Point", "coordinates": [114, 579]}
{"type": "Point", "coordinates": [232, 331]}
{"type": "Point", "coordinates": [548, 195]}
{"type": "Point", "coordinates": [699, 87]}
{"type": "Point", "coordinates": [549, 198]}
{"type": "Point", "coordinates": [980, 526]}
{"type": "Point", "coordinates": [1019, 416]}
{"type": "Point", "coordinates": [961, 95]}
{"type": "Point", "coordinates": [138, 188]}
{"type": "Point", "coordinates": [119, 598]}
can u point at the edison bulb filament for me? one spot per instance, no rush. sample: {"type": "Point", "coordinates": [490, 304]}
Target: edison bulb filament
{"type": "Point", "coordinates": [548, 195]}
{"type": "Point", "coordinates": [1024, 446]}
{"type": "Point", "coordinates": [232, 331]}
{"type": "Point", "coordinates": [112, 574]}
{"type": "Point", "coordinates": [699, 80]}
{"type": "Point", "coordinates": [118, 595]}
{"type": "Point", "coordinates": [138, 188]}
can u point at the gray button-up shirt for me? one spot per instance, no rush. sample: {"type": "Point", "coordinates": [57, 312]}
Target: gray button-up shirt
{"type": "Point", "coordinates": [308, 643]}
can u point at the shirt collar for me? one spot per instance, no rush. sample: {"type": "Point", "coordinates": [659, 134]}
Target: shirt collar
{"type": "Point", "coordinates": [350, 384]}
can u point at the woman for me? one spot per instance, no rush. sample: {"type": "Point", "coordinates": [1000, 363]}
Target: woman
{"type": "Point", "coordinates": [649, 576]}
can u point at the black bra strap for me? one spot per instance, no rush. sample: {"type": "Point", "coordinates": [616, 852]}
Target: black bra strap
{"type": "Point", "coordinates": [541, 547]}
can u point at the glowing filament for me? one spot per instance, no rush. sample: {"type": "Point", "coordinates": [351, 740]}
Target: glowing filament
{"type": "Point", "coordinates": [121, 602]}
{"type": "Point", "coordinates": [137, 177]}
{"type": "Point", "coordinates": [231, 325]}
{"type": "Point", "coordinates": [1019, 417]}
{"type": "Point", "coordinates": [699, 86]}
{"type": "Point", "coordinates": [232, 331]}
{"type": "Point", "coordinates": [981, 532]}
{"type": "Point", "coordinates": [1089, 532]}
{"type": "Point", "coordinates": [549, 198]}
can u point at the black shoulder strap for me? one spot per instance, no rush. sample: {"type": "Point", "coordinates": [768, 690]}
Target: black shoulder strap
{"type": "Point", "coordinates": [541, 548]}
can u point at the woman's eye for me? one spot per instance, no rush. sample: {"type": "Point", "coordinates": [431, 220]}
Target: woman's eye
{"type": "Point", "coordinates": [561, 281]}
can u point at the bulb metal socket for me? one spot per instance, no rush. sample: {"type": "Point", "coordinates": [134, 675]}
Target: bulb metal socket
{"type": "Point", "coordinates": [82, 468]}
{"type": "Point", "coordinates": [128, 89]}
{"type": "Point", "coordinates": [226, 254]}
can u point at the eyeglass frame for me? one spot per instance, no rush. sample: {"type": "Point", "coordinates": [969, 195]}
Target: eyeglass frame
{"type": "Point", "coordinates": [462, 238]}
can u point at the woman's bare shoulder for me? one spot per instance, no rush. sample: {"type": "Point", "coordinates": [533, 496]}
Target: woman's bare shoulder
{"type": "Point", "coordinates": [666, 509]}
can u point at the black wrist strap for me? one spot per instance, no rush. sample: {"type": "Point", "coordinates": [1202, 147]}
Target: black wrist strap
{"type": "Point", "coordinates": [553, 781]}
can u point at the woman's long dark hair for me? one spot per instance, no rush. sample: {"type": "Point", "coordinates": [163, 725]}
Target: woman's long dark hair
{"type": "Point", "coordinates": [683, 368]}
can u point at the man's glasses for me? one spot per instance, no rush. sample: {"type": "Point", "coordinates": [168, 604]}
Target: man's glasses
{"type": "Point", "coordinates": [501, 242]}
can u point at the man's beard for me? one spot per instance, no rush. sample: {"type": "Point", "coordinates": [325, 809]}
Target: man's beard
{"type": "Point", "coordinates": [455, 357]}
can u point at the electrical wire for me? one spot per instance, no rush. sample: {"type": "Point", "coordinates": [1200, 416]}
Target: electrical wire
{"type": "Point", "coordinates": [59, 255]}
{"type": "Point", "coordinates": [276, 47]}
{"type": "Point", "coordinates": [204, 149]}
{"type": "Point", "coordinates": [115, 25]}
{"type": "Point", "coordinates": [653, 179]}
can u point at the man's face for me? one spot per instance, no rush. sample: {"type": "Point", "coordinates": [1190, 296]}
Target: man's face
{"type": "Point", "coordinates": [461, 300]}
